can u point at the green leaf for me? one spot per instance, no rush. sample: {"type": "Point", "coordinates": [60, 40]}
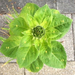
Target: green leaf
{"type": "Point", "coordinates": [29, 8]}
{"type": "Point", "coordinates": [10, 46]}
{"type": "Point", "coordinates": [45, 50]}
{"type": "Point", "coordinates": [27, 32]}
{"type": "Point", "coordinates": [37, 43]}
{"type": "Point", "coordinates": [18, 25]}
{"type": "Point", "coordinates": [46, 22]}
{"type": "Point", "coordinates": [54, 12]}
{"type": "Point", "coordinates": [60, 20]}
{"type": "Point", "coordinates": [57, 57]}
{"type": "Point", "coordinates": [2, 39]}
{"type": "Point", "coordinates": [30, 20]}
{"type": "Point", "coordinates": [52, 32]}
{"type": "Point", "coordinates": [50, 14]}
{"type": "Point", "coordinates": [64, 28]}
{"type": "Point", "coordinates": [35, 66]}
{"type": "Point", "coordinates": [26, 41]}
{"type": "Point", "coordinates": [26, 55]}
{"type": "Point", "coordinates": [27, 13]}
{"type": "Point", "coordinates": [62, 24]}
{"type": "Point", "coordinates": [40, 13]}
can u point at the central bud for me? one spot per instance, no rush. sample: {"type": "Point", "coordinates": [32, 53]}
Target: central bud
{"type": "Point", "coordinates": [38, 31]}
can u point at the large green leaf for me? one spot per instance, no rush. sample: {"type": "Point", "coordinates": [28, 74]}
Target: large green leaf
{"type": "Point", "coordinates": [59, 20]}
{"type": "Point", "coordinates": [56, 56]}
{"type": "Point", "coordinates": [17, 26]}
{"type": "Point", "coordinates": [40, 13]}
{"type": "Point", "coordinates": [60, 23]}
{"type": "Point", "coordinates": [63, 29]}
{"type": "Point", "coordinates": [29, 8]}
{"type": "Point", "coordinates": [26, 55]}
{"type": "Point", "coordinates": [10, 46]}
{"type": "Point", "coordinates": [35, 66]}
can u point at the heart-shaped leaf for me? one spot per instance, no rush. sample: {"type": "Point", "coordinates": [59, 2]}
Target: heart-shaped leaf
{"type": "Point", "coordinates": [61, 23]}
{"type": "Point", "coordinates": [10, 46]}
{"type": "Point", "coordinates": [26, 55]}
{"type": "Point", "coordinates": [55, 57]}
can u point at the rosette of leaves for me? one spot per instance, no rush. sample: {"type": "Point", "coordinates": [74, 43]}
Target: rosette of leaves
{"type": "Point", "coordinates": [33, 36]}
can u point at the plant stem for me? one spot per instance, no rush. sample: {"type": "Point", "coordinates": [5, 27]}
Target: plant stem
{"type": "Point", "coordinates": [4, 32]}
{"type": "Point", "coordinates": [6, 62]}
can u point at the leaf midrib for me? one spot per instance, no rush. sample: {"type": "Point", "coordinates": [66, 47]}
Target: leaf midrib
{"type": "Point", "coordinates": [57, 58]}
{"type": "Point", "coordinates": [61, 24]}
{"type": "Point", "coordinates": [26, 55]}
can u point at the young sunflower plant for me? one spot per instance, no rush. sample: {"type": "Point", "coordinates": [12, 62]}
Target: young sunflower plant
{"type": "Point", "coordinates": [33, 34]}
